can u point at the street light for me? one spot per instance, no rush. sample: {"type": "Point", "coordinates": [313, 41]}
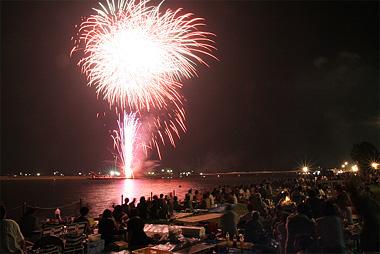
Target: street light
{"type": "Point", "coordinates": [375, 165]}
{"type": "Point", "coordinates": [305, 169]}
{"type": "Point", "coordinates": [355, 168]}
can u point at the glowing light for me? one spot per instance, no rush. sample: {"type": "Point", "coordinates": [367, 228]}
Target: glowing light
{"type": "Point", "coordinates": [125, 141]}
{"type": "Point", "coordinates": [375, 165]}
{"type": "Point", "coordinates": [305, 169]}
{"type": "Point", "coordinates": [343, 166]}
{"type": "Point", "coordinates": [345, 163]}
{"type": "Point", "coordinates": [38, 174]}
{"type": "Point", "coordinates": [355, 168]}
{"type": "Point", "coordinates": [136, 56]}
{"type": "Point", "coordinates": [286, 201]}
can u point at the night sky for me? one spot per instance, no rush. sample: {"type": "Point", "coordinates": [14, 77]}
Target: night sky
{"type": "Point", "coordinates": [295, 82]}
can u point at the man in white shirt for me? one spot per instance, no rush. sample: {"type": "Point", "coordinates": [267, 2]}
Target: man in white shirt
{"type": "Point", "coordinates": [12, 240]}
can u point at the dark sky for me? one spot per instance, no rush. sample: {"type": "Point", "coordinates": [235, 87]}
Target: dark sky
{"type": "Point", "coordinates": [295, 81]}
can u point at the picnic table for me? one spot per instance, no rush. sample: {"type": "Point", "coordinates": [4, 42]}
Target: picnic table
{"type": "Point", "coordinates": [181, 215]}
{"type": "Point", "coordinates": [200, 218]}
{"type": "Point", "coordinates": [197, 248]}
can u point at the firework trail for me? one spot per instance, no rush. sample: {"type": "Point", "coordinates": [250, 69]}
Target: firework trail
{"type": "Point", "coordinates": [125, 141]}
{"type": "Point", "coordinates": [135, 56]}
{"type": "Point", "coordinates": [162, 127]}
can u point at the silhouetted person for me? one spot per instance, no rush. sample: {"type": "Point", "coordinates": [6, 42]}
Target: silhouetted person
{"type": "Point", "coordinates": [229, 221]}
{"type": "Point", "coordinates": [298, 226]}
{"type": "Point", "coordinates": [137, 238]}
{"type": "Point", "coordinates": [107, 227]}
{"type": "Point", "coordinates": [329, 229]}
{"type": "Point", "coordinates": [142, 208]}
{"type": "Point", "coordinates": [254, 230]}
{"type": "Point", "coordinates": [11, 238]}
{"type": "Point", "coordinates": [28, 222]}
{"type": "Point", "coordinates": [83, 218]}
{"type": "Point", "coordinates": [369, 211]}
{"type": "Point", "coordinates": [315, 204]}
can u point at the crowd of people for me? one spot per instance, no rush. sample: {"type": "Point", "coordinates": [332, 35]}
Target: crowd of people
{"type": "Point", "coordinates": [293, 215]}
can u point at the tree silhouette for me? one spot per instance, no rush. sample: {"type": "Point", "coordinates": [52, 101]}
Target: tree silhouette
{"type": "Point", "coordinates": [364, 153]}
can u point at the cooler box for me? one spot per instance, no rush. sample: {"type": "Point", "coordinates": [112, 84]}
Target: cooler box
{"type": "Point", "coordinates": [189, 231]}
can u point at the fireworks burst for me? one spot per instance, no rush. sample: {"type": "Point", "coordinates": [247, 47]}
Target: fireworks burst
{"type": "Point", "coordinates": [161, 127]}
{"type": "Point", "coordinates": [137, 56]}
{"type": "Point", "coordinates": [125, 139]}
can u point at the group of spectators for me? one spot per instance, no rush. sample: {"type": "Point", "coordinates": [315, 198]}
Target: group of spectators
{"type": "Point", "coordinates": [293, 215]}
{"type": "Point", "coordinates": [306, 216]}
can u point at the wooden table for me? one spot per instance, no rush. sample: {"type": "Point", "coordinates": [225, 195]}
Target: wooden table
{"type": "Point", "coordinates": [197, 248]}
{"type": "Point", "coordinates": [199, 218]}
{"type": "Point", "coordinates": [181, 215]}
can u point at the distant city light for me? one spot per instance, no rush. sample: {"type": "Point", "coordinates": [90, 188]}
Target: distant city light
{"type": "Point", "coordinates": [345, 163]}
{"type": "Point", "coordinates": [38, 174]}
{"type": "Point", "coordinates": [305, 169]}
{"type": "Point", "coordinates": [80, 173]}
{"type": "Point", "coordinates": [354, 168]}
{"type": "Point", "coordinates": [375, 165]}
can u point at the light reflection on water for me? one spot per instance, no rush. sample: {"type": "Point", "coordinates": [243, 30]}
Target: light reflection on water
{"type": "Point", "coordinates": [99, 194]}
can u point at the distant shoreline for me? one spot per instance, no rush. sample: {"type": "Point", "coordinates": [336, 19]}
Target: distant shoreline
{"type": "Point", "coordinates": [55, 178]}
{"type": "Point", "coordinates": [51, 178]}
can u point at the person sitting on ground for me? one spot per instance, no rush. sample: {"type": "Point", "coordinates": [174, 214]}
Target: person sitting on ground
{"type": "Point", "coordinates": [297, 195]}
{"type": "Point", "coordinates": [254, 230]}
{"type": "Point", "coordinates": [107, 227]}
{"type": "Point", "coordinates": [229, 221]}
{"type": "Point", "coordinates": [369, 211]}
{"type": "Point", "coordinates": [176, 205]}
{"type": "Point", "coordinates": [329, 229]}
{"type": "Point", "coordinates": [344, 203]}
{"type": "Point", "coordinates": [315, 204]}
{"type": "Point", "coordinates": [11, 238]}
{"type": "Point", "coordinates": [137, 238]}
{"type": "Point", "coordinates": [279, 230]}
{"type": "Point", "coordinates": [83, 218]}
{"type": "Point", "coordinates": [188, 204]}
{"type": "Point", "coordinates": [246, 217]}
{"type": "Point", "coordinates": [258, 204]}
{"type": "Point", "coordinates": [205, 202]}
{"type": "Point", "coordinates": [28, 223]}
{"type": "Point", "coordinates": [119, 215]}
{"type": "Point", "coordinates": [298, 226]}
